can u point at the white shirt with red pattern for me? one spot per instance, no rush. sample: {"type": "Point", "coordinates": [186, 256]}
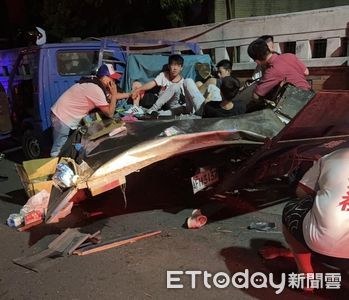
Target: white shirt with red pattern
{"type": "Point", "coordinates": [163, 81]}
{"type": "Point", "coordinates": [326, 225]}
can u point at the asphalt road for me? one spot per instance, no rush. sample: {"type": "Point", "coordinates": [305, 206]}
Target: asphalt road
{"type": "Point", "coordinates": [156, 200]}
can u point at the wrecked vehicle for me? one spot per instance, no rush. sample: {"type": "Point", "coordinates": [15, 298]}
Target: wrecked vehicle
{"type": "Point", "coordinates": [268, 143]}
{"type": "Point", "coordinates": [256, 146]}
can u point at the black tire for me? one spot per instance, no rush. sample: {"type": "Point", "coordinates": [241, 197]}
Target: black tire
{"type": "Point", "coordinates": [31, 146]}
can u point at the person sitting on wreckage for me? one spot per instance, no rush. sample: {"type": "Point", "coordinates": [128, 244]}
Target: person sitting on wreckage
{"type": "Point", "coordinates": [260, 69]}
{"type": "Point", "coordinates": [278, 70]}
{"type": "Point", "coordinates": [229, 106]}
{"type": "Point", "coordinates": [211, 88]}
{"type": "Point", "coordinates": [173, 88]}
{"type": "Point", "coordinates": [76, 102]}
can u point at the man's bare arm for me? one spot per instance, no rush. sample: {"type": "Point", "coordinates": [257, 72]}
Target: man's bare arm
{"type": "Point", "coordinates": [109, 110]}
{"type": "Point", "coordinates": [122, 95]}
{"type": "Point", "coordinates": [148, 86]}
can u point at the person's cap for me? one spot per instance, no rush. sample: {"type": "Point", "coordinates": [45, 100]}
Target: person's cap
{"type": "Point", "coordinates": [108, 70]}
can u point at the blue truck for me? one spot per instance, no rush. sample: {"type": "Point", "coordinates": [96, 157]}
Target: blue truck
{"type": "Point", "coordinates": [32, 79]}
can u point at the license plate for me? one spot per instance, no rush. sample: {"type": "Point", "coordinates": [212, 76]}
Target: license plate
{"type": "Point", "coordinates": [205, 178]}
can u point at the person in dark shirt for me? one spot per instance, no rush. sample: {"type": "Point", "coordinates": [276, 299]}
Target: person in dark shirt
{"type": "Point", "coordinates": [229, 106]}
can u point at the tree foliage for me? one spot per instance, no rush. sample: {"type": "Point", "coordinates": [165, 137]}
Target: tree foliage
{"type": "Point", "coordinates": [63, 18]}
{"type": "Point", "coordinates": [175, 10]}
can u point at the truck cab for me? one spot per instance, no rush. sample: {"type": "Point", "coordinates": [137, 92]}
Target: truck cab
{"type": "Point", "coordinates": [33, 78]}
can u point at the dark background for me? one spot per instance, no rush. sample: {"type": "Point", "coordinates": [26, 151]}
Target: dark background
{"type": "Point", "coordinates": [86, 18]}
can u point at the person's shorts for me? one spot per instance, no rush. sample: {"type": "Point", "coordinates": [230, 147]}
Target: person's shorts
{"type": "Point", "coordinates": [293, 215]}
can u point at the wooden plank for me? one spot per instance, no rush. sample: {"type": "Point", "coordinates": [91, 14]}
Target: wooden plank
{"type": "Point", "coordinates": [92, 240]}
{"type": "Point", "coordinates": [79, 239]}
{"type": "Point", "coordinates": [26, 227]}
{"type": "Point", "coordinates": [115, 243]}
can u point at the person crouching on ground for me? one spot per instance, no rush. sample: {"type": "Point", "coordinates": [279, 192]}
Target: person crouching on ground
{"type": "Point", "coordinates": [229, 106]}
{"type": "Point", "coordinates": [76, 102]}
{"type": "Point", "coordinates": [317, 223]}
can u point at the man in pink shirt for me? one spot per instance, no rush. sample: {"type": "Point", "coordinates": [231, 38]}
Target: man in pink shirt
{"type": "Point", "coordinates": [279, 69]}
{"type": "Point", "coordinates": [76, 102]}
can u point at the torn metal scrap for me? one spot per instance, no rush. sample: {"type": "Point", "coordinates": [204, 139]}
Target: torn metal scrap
{"type": "Point", "coordinates": [63, 245]}
{"type": "Point", "coordinates": [115, 243]}
{"type": "Point", "coordinates": [59, 200]}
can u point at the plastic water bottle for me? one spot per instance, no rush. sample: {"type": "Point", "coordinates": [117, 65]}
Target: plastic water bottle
{"type": "Point", "coordinates": [64, 176]}
{"type": "Point", "coordinates": [15, 220]}
{"type": "Point", "coordinates": [25, 210]}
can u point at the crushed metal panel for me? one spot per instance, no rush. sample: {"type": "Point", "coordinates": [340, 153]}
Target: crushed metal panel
{"type": "Point", "coordinates": [262, 124]}
{"type": "Point", "coordinates": [105, 183]}
{"type": "Point", "coordinates": [114, 158]}
{"type": "Point", "coordinates": [58, 202]}
{"type": "Point", "coordinates": [155, 150]}
{"type": "Point", "coordinates": [292, 101]}
{"type": "Point", "coordinates": [326, 114]}
{"type": "Point", "coordinates": [324, 118]}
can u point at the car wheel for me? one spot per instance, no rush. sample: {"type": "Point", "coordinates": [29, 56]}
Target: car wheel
{"type": "Point", "coordinates": [31, 145]}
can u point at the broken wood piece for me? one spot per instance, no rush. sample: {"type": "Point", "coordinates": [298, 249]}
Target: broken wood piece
{"type": "Point", "coordinates": [89, 243]}
{"type": "Point", "coordinates": [80, 240]}
{"type": "Point", "coordinates": [30, 225]}
{"type": "Point", "coordinates": [95, 240]}
{"type": "Point", "coordinates": [115, 243]}
{"type": "Point", "coordinates": [92, 240]}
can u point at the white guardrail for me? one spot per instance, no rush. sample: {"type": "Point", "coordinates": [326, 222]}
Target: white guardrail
{"type": "Point", "coordinates": [230, 39]}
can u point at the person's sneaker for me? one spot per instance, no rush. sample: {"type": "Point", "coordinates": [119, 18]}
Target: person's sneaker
{"type": "Point", "coordinates": [136, 110]}
{"type": "Point", "coordinates": [154, 115]}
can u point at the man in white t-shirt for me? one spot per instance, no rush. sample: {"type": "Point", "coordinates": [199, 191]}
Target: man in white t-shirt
{"type": "Point", "coordinates": [318, 221]}
{"type": "Point", "coordinates": [76, 102]}
{"type": "Point", "coordinates": [172, 86]}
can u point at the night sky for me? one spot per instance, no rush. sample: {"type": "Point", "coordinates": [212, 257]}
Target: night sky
{"type": "Point", "coordinates": [95, 18]}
